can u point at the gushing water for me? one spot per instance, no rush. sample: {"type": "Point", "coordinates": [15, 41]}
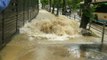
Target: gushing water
{"type": "Point", "coordinates": [38, 40]}
{"type": "Point", "coordinates": [59, 28]}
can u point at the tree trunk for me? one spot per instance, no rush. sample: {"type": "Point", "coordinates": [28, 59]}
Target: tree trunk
{"type": "Point", "coordinates": [64, 7]}
{"type": "Point", "coordinates": [84, 22]}
{"type": "Point", "coordinates": [58, 5]}
{"type": "Point", "coordinates": [50, 3]}
{"type": "Point", "coordinates": [53, 6]}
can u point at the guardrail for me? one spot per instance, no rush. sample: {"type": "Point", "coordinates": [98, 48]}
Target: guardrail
{"type": "Point", "coordinates": [104, 22]}
{"type": "Point", "coordinates": [14, 16]}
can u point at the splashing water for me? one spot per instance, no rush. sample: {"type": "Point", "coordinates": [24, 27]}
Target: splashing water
{"type": "Point", "coordinates": [27, 45]}
{"type": "Point", "coordinates": [59, 28]}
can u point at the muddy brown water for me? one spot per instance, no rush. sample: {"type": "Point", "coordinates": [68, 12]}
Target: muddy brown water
{"type": "Point", "coordinates": [36, 49]}
{"type": "Point", "coordinates": [32, 44]}
{"type": "Point", "coordinates": [25, 49]}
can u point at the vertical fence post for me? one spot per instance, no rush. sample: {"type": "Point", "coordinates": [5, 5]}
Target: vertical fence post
{"type": "Point", "coordinates": [0, 30]}
{"type": "Point", "coordinates": [28, 10]}
{"type": "Point", "coordinates": [23, 12]}
{"type": "Point", "coordinates": [3, 42]}
{"type": "Point", "coordinates": [16, 15]}
{"type": "Point", "coordinates": [102, 39]}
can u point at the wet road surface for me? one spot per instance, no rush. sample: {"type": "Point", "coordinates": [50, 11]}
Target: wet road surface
{"type": "Point", "coordinates": [34, 50]}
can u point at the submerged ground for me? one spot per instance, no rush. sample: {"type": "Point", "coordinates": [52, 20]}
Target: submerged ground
{"type": "Point", "coordinates": [53, 38]}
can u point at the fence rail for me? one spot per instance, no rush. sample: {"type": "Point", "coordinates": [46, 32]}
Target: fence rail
{"type": "Point", "coordinates": [15, 16]}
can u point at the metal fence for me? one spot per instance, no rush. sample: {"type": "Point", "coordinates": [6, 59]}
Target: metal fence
{"type": "Point", "coordinates": [15, 16]}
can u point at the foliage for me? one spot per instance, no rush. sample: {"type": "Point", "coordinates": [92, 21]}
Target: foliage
{"type": "Point", "coordinates": [89, 12]}
{"type": "Point", "coordinates": [44, 2]}
{"type": "Point", "coordinates": [75, 4]}
{"type": "Point", "coordinates": [72, 3]}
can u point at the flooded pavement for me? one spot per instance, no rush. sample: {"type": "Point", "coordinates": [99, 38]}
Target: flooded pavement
{"type": "Point", "coordinates": [34, 43]}
{"type": "Point", "coordinates": [39, 51]}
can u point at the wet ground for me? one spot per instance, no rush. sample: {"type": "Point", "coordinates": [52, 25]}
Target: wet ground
{"type": "Point", "coordinates": [32, 44]}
